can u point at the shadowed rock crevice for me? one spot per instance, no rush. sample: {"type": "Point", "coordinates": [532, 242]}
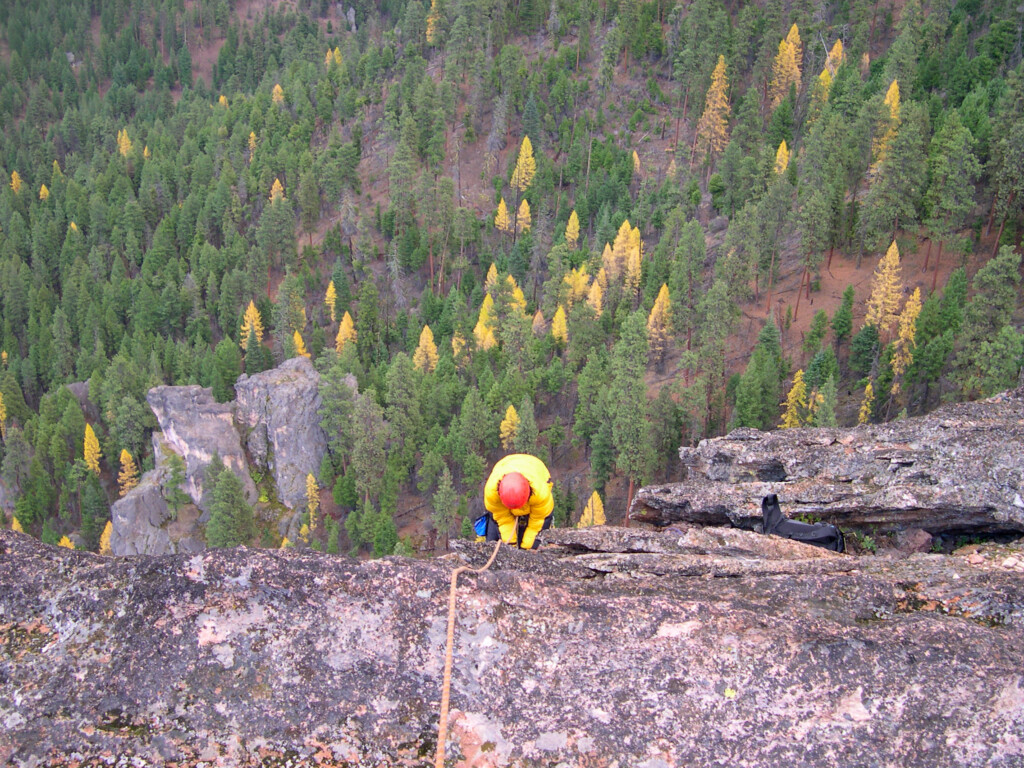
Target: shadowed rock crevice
{"type": "Point", "coordinates": [801, 657]}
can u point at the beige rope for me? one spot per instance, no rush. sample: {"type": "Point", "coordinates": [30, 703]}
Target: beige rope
{"type": "Point", "coordinates": [442, 727]}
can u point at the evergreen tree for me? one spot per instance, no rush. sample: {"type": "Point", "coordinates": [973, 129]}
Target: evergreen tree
{"type": "Point", "coordinates": [628, 399]}
{"type": "Point", "coordinates": [445, 503]}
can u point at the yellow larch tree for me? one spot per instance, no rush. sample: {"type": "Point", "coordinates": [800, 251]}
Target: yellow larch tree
{"type": "Point", "coordinates": [796, 403]}
{"type": "Point", "coordinates": [252, 144]}
{"type": "Point", "coordinates": [785, 72]}
{"type": "Point", "coordinates": [91, 450]}
{"type": "Point", "coordinates": [602, 279]}
{"type": "Point", "coordinates": [903, 354]}
{"type": "Point", "coordinates": [300, 346]}
{"type": "Point", "coordinates": [346, 332]}
{"type": "Point", "coordinates": [251, 323]}
{"type": "Point", "coordinates": [782, 158]}
{"type": "Point", "coordinates": [658, 324]}
{"type": "Point", "coordinates": [129, 477]}
{"type": "Point", "coordinates": [836, 56]}
{"type": "Point", "coordinates": [636, 164]}
{"type": "Point", "coordinates": [819, 94]}
{"type": "Point", "coordinates": [124, 144]}
{"type": "Point", "coordinates": [223, 101]}
{"type": "Point", "coordinates": [713, 126]}
{"type": "Point", "coordinates": [614, 260]}
{"type": "Point", "coordinates": [890, 124]}
{"type": "Point", "coordinates": [145, 152]}
{"type": "Point", "coordinates": [509, 428]}
{"type": "Point", "coordinates": [523, 219]}
{"type": "Point", "coordinates": [286, 543]}
{"type": "Point", "coordinates": [3, 418]}
{"type": "Point", "coordinates": [458, 344]}
{"type": "Point", "coordinates": [73, 227]}
{"type": "Point", "coordinates": [537, 326]}
{"type": "Point", "coordinates": [484, 330]}
{"type": "Point", "coordinates": [276, 191]}
{"type": "Point", "coordinates": [502, 222]}
{"type": "Point", "coordinates": [16, 182]}
{"type": "Point", "coordinates": [886, 290]}
{"type": "Point", "coordinates": [337, 56]}
{"type": "Point", "coordinates": [330, 297]}
{"type": "Point", "coordinates": [577, 281]}
{"type": "Point", "coordinates": [593, 513]}
{"type": "Point", "coordinates": [277, 94]}
{"type": "Point", "coordinates": [433, 17]}
{"type": "Point", "coordinates": [108, 529]}
{"type": "Point", "coordinates": [65, 542]}
{"type": "Point", "coordinates": [572, 230]}
{"type": "Point", "coordinates": [796, 45]}
{"type": "Point", "coordinates": [491, 278]}
{"type": "Point", "coordinates": [518, 300]}
{"type": "Point", "coordinates": [329, 58]}
{"type": "Point", "coordinates": [634, 257]}
{"type": "Point", "coordinates": [16, 526]}
{"type": "Point", "coordinates": [595, 296]}
{"type": "Point", "coordinates": [44, 193]}
{"type": "Point", "coordinates": [864, 415]}
{"type": "Point", "coordinates": [425, 356]}
{"type": "Point", "coordinates": [312, 499]}
{"type": "Point", "coordinates": [526, 167]}
{"type": "Point", "coordinates": [559, 326]}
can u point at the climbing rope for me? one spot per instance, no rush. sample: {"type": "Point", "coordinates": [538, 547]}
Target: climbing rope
{"type": "Point", "coordinates": [442, 727]}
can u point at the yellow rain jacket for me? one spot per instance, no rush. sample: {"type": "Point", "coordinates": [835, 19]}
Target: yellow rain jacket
{"type": "Point", "coordinates": [538, 506]}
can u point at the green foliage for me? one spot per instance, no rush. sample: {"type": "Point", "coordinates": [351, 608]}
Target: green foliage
{"type": "Point", "coordinates": [231, 520]}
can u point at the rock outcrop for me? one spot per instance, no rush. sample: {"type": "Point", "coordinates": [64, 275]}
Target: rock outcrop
{"type": "Point", "coordinates": [608, 647]}
{"type": "Point", "coordinates": [140, 517]}
{"type": "Point", "coordinates": [958, 470]}
{"type": "Point", "coordinates": [277, 410]}
{"type": "Point", "coordinates": [196, 426]}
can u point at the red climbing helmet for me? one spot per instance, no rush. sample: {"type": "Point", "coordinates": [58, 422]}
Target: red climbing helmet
{"type": "Point", "coordinates": [513, 490]}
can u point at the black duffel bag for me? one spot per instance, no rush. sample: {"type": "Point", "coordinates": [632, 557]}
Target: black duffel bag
{"type": "Point", "coordinates": [823, 535]}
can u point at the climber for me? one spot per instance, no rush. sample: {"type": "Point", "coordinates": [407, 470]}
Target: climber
{"type": "Point", "coordinates": [518, 499]}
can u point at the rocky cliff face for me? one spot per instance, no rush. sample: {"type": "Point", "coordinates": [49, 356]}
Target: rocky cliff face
{"type": "Point", "coordinates": [610, 647]}
{"type": "Point", "coordinates": [196, 427]}
{"type": "Point", "coordinates": [957, 470]}
{"type": "Point", "coordinates": [277, 410]}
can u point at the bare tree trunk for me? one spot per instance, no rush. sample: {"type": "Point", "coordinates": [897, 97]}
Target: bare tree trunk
{"type": "Point", "coordinates": [999, 236]}
{"type": "Point", "coordinates": [928, 255]}
{"type": "Point", "coordinates": [831, 250]}
{"type": "Point", "coordinates": [799, 293]}
{"type": "Point", "coordinates": [771, 282]}
{"type": "Point", "coordinates": [629, 502]}
{"type": "Point", "coordinates": [991, 217]}
{"type": "Point", "coordinates": [938, 258]}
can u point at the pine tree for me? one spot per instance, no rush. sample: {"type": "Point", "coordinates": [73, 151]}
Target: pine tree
{"type": "Point", "coordinates": [108, 529]}
{"type": "Point", "coordinates": [91, 450]}
{"type": "Point", "coordinates": [559, 327]}
{"type": "Point", "coordinates": [713, 126]}
{"type": "Point", "coordinates": [425, 358]}
{"type": "Point", "coordinates": [523, 219]}
{"type": "Point", "coordinates": [886, 290]}
{"type": "Point", "coordinates": [781, 158]}
{"type": "Point", "coordinates": [572, 230]}
{"type": "Point", "coordinates": [312, 500]}
{"type": "Point", "coordinates": [346, 332]}
{"type": "Point", "coordinates": [593, 513]}
{"type": "Point", "coordinates": [445, 504]}
{"type": "Point", "coordinates": [129, 477]}
{"type": "Point", "coordinates": [825, 409]}
{"type": "Point", "coordinates": [867, 404]}
{"type": "Point", "coordinates": [796, 404]}
{"type": "Point", "coordinates": [502, 222]}
{"type": "Point", "coordinates": [903, 354]}
{"type": "Point", "coordinates": [526, 167]}
{"type": "Point", "coordinates": [231, 521]}
{"type": "Point", "coordinates": [509, 428]}
{"type": "Point", "coordinates": [659, 323]}
{"type": "Point", "coordinates": [525, 439]}
{"type": "Point", "coordinates": [627, 399]}
{"type": "Point", "coordinates": [300, 346]}
{"type": "Point", "coordinates": [842, 320]}
{"type": "Point", "coordinates": [330, 298]}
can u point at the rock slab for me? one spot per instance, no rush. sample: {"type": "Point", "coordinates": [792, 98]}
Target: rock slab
{"type": "Point", "coordinates": [606, 648]}
{"type": "Point", "coordinates": [196, 426]}
{"type": "Point", "coordinates": [957, 470]}
{"type": "Point", "coordinates": [277, 410]}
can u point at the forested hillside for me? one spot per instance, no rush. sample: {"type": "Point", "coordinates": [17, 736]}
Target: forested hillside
{"type": "Point", "coordinates": [522, 226]}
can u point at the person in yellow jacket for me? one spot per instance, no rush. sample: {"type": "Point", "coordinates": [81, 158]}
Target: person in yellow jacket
{"type": "Point", "coordinates": [519, 487]}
